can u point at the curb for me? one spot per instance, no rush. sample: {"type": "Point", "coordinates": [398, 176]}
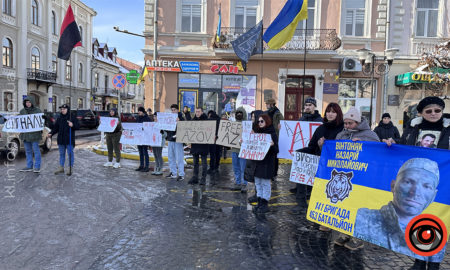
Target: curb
{"type": "Point", "coordinates": [86, 135]}
{"type": "Point", "coordinates": [165, 159]}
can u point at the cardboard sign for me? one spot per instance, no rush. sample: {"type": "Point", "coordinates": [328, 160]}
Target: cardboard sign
{"type": "Point", "coordinates": [24, 123]}
{"type": "Point", "coordinates": [198, 132]}
{"type": "Point", "coordinates": [255, 146]}
{"type": "Point", "coordinates": [230, 134]}
{"type": "Point", "coordinates": [152, 135]}
{"type": "Point", "coordinates": [295, 135]}
{"type": "Point", "coordinates": [108, 124]}
{"type": "Point", "coordinates": [167, 121]}
{"type": "Point", "coordinates": [304, 168]}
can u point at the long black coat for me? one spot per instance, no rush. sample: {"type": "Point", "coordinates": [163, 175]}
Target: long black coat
{"type": "Point", "coordinates": [328, 130]}
{"type": "Point", "coordinates": [200, 149]}
{"type": "Point", "coordinates": [411, 133]}
{"type": "Point", "coordinates": [386, 131]}
{"type": "Point", "coordinates": [62, 128]}
{"type": "Point", "coordinates": [265, 168]}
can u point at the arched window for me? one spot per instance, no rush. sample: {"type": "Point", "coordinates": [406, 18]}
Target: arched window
{"type": "Point", "coordinates": [54, 23]}
{"type": "Point", "coordinates": [7, 52]}
{"type": "Point", "coordinates": [68, 70]}
{"type": "Point", "coordinates": [81, 34]}
{"type": "Point", "coordinates": [80, 73]}
{"type": "Point", "coordinates": [54, 63]}
{"type": "Point", "coordinates": [7, 9]}
{"type": "Point", "coordinates": [34, 12]}
{"type": "Point", "coordinates": [35, 58]}
{"type": "Point", "coordinates": [8, 104]}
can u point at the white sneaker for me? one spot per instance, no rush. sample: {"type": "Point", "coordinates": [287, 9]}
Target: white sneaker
{"type": "Point", "coordinates": [116, 165]}
{"type": "Point", "coordinates": [108, 164]}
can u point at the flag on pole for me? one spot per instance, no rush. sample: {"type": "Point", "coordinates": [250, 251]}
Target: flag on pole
{"type": "Point", "coordinates": [283, 27]}
{"type": "Point", "coordinates": [219, 25]}
{"type": "Point", "coordinates": [248, 44]}
{"type": "Point", "coordinates": [143, 75]}
{"type": "Point", "coordinates": [338, 73]}
{"type": "Point", "coordinates": [69, 35]}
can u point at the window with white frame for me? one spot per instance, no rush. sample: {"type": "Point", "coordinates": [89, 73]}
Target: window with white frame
{"type": "Point", "coordinates": [354, 17]}
{"type": "Point", "coordinates": [7, 53]}
{"type": "Point", "coordinates": [356, 92]}
{"type": "Point", "coordinates": [35, 58]}
{"type": "Point", "coordinates": [7, 7]}
{"type": "Point", "coordinates": [8, 104]}
{"type": "Point", "coordinates": [245, 14]}
{"type": "Point", "coordinates": [191, 16]}
{"type": "Point", "coordinates": [80, 103]}
{"type": "Point", "coordinates": [68, 70]}
{"type": "Point", "coordinates": [69, 101]}
{"type": "Point", "coordinates": [427, 18]}
{"type": "Point", "coordinates": [96, 79]}
{"type": "Point", "coordinates": [54, 23]}
{"type": "Point", "coordinates": [80, 73]}
{"type": "Point", "coordinates": [81, 34]}
{"type": "Point", "coordinates": [54, 63]}
{"type": "Point", "coordinates": [309, 23]}
{"type": "Point", "coordinates": [34, 12]}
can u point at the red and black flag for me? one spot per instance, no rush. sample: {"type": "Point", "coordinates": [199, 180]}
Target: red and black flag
{"type": "Point", "coordinates": [69, 36]}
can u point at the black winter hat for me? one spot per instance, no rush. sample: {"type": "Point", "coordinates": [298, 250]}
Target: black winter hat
{"type": "Point", "coordinates": [428, 101]}
{"type": "Point", "coordinates": [141, 109]}
{"type": "Point", "coordinates": [386, 115]}
{"type": "Point", "coordinates": [311, 100]}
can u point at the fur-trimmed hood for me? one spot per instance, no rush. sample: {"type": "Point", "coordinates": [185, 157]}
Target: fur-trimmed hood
{"type": "Point", "coordinates": [418, 120]}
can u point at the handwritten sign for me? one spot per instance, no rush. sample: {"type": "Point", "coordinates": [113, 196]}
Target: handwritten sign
{"type": "Point", "coordinates": [199, 132]}
{"type": "Point", "coordinates": [304, 168]}
{"type": "Point", "coordinates": [295, 135]}
{"type": "Point", "coordinates": [152, 136]}
{"type": "Point", "coordinates": [24, 123]}
{"type": "Point", "coordinates": [247, 127]}
{"type": "Point", "coordinates": [230, 134]}
{"type": "Point", "coordinates": [167, 121]}
{"type": "Point", "coordinates": [108, 124]}
{"type": "Point", "coordinates": [132, 134]}
{"type": "Point", "coordinates": [255, 146]}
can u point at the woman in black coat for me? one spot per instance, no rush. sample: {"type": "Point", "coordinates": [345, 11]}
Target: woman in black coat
{"type": "Point", "coordinates": [199, 150]}
{"type": "Point", "coordinates": [144, 161]}
{"type": "Point", "coordinates": [264, 169]}
{"type": "Point", "coordinates": [386, 129]}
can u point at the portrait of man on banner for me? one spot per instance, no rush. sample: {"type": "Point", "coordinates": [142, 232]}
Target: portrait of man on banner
{"type": "Point", "coordinates": [414, 189]}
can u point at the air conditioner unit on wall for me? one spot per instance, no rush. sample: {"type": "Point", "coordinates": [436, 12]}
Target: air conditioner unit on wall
{"type": "Point", "coordinates": [351, 65]}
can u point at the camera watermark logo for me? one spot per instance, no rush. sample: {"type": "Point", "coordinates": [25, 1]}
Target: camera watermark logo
{"type": "Point", "coordinates": [426, 235]}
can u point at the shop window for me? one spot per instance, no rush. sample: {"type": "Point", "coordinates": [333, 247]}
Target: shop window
{"type": "Point", "coordinates": [211, 81]}
{"type": "Point", "coordinates": [188, 80]}
{"type": "Point", "coordinates": [356, 93]}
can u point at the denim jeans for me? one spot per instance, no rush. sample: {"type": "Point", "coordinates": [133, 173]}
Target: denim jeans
{"type": "Point", "coordinates": [157, 153]}
{"type": "Point", "coordinates": [62, 154]}
{"type": "Point", "coordinates": [176, 158]}
{"type": "Point", "coordinates": [238, 168]}
{"type": "Point", "coordinates": [30, 148]}
{"type": "Point", "coordinates": [143, 156]}
{"type": "Point", "coordinates": [197, 165]}
{"type": "Point", "coordinates": [263, 188]}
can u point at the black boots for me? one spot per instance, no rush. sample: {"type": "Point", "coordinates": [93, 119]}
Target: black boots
{"type": "Point", "coordinates": [193, 181]}
{"type": "Point", "coordinates": [139, 168]}
{"type": "Point", "coordinates": [419, 265]}
{"type": "Point", "coordinates": [264, 206]}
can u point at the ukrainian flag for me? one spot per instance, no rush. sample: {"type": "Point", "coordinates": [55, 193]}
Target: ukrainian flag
{"type": "Point", "coordinates": [283, 27]}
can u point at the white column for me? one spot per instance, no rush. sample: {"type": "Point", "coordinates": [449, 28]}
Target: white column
{"type": "Point", "coordinates": [22, 53]}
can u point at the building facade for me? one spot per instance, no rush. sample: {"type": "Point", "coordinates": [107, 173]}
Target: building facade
{"type": "Point", "coordinates": [29, 31]}
{"type": "Point", "coordinates": [331, 72]}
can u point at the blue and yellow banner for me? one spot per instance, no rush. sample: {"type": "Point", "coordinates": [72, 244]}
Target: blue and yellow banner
{"type": "Point", "coordinates": [283, 27]}
{"type": "Point", "coordinates": [396, 197]}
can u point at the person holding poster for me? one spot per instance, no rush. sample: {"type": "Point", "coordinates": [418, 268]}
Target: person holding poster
{"type": "Point", "coordinates": [333, 124]}
{"type": "Point", "coordinates": [264, 169]}
{"type": "Point", "coordinates": [157, 150]}
{"type": "Point", "coordinates": [356, 128]}
{"type": "Point", "coordinates": [199, 150]}
{"type": "Point", "coordinates": [65, 126]}
{"type": "Point", "coordinates": [31, 139]}
{"type": "Point", "coordinates": [214, 149]}
{"type": "Point", "coordinates": [239, 163]}
{"type": "Point", "coordinates": [254, 116]}
{"type": "Point", "coordinates": [144, 162]}
{"type": "Point", "coordinates": [176, 151]}
{"type": "Point", "coordinates": [112, 141]}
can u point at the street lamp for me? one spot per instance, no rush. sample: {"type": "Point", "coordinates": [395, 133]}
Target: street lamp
{"type": "Point", "coordinates": [370, 66]}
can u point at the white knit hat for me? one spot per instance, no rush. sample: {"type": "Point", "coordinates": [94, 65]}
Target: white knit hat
{"type": "Point", "coordinates": [353, 114]}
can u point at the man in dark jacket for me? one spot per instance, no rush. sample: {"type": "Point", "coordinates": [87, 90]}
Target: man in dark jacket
{"type": "Point", "coordinates": [31, 139]}
{"type": "Point", "coordinates": [176, 151]}
{"type": "Point", "coordinates": [199, 150]}
{"type": "Point", "coordinates": [386, 129]}
{"type": "Point", "coordinates": [187, 113]}
{"type": "Point", "coordinates": [214, 149]}
{"type": "Point", "coordinates": [143, 149]}
{"type": "Point", "coordinates": [65, 126]}
{"type": "Point", "coordinates": [311, 114]}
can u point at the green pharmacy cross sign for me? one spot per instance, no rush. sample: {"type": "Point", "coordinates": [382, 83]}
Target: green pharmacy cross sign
{"type": "Point", "coordinates": [133, 76]}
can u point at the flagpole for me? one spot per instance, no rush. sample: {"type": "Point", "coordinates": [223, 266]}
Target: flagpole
{"type": "Point", "coordinates": [70, 118]}
{"type": "Point", "coordinates": [304, 69]}
{"type": "Point", "coordinates": [262, 64]}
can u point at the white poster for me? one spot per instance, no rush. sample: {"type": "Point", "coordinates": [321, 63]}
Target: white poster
{"type": "Point", "coordinates": [304, 168]}
{"type": "Point", "coordinates": [132, 133]}
{"type": "Point", "coordinates": [24, 123]}
{"type": "Point", "coordinates": [294, 135]}
{"type": "Point", "coordinates": [152, 136]}
{"type": "Point", "coordinates": [246, 127]}
{"type": "Point", "coordinates": [255, 146]}
{"type": "Point", "coordinates": [108, 124]}
{"type": "Point", "coordinates": [167, 121]}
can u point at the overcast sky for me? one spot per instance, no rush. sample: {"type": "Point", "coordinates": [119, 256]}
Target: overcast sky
{"type": "Point", "coordinates": [127, 15]}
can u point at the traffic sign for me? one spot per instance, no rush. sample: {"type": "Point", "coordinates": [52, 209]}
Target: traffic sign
{"type": "Point", "coordinates": [133, 76]}
{"type": "Point", "coordinates": [119, 81]}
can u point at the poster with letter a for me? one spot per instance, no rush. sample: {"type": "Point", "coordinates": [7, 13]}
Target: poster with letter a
{"type": "Point", "coordinates": [395, 197]}
{"type": "Point", "coordinates": [295, 135]}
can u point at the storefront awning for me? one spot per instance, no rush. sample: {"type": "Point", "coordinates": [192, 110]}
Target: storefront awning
{"type": "Point", "coordinates": [420, 77]}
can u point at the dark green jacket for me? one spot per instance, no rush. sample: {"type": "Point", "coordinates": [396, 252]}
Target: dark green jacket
{"type": "Point", "coordinates": [30, 136]}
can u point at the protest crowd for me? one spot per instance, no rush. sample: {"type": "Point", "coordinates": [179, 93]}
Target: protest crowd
{"type": "Point", "coordinates": [253, 145]}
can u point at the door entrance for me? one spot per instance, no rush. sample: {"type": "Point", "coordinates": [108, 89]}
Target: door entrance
{"type": "Point", "coordinates": [294, 93]}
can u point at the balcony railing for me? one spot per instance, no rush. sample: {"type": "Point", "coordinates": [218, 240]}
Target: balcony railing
{"type": "Point", "coordinates": [316, 39]}
{"type": "Point", "coordinates": [41, 75]}
{"type": "Point", "coordinates": [111, 92]}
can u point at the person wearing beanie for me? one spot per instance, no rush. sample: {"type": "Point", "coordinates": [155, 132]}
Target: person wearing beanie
{"type": "Point", "coordinates": [386, 129]}
{"type": "Point", "coordinates": [310, 113]}
{"type": "Point", "coordinates": [113, 141]}
{"type": "Point", "coordinates": [143, 149]}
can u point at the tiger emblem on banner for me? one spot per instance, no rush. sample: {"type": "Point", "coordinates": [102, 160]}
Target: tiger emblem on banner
{"type": "Point", "coordinates": [339, 186]}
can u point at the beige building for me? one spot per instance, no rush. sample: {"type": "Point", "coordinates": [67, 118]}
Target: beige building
{"type": "Point", "coordinates": [29, 31]}
{"type": "Point", "coordinates": [335, 31]}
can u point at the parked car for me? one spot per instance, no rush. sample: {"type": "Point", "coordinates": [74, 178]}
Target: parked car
{"type": "Point", "coordinates": [99, 114]}
{"type": "Point", "coordinates": [11, 144]}
{"type": "Point", "coordinates": [127, 117]}
{"type": "Point", "coordinates": [50, 119]}
{"type": "Point", "coordinates": [86, 118]}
